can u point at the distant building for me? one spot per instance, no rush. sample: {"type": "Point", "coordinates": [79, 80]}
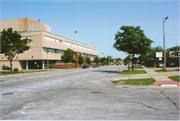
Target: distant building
{"type": "Point", "coordinates": [43, 39]}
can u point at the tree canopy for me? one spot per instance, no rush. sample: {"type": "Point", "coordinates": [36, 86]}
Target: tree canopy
{"type": "Point", "coordinates": [96, 60]}
{"type": "Point", "coordinates": [132, 40]}
{"type": "Point", "coordinates": [80, 59]}
{"type": "Point", "coordinates": [68, 56]}
{"type": "Point", "coordinates": [12, 44]}
{"type": "Point", "coordinates": [88, 60]}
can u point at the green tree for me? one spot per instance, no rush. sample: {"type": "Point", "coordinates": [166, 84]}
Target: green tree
{"type": "Point", "coordinates": [103, 60]}
{"type": "Point", "coordinates": [117, 60]}
{"type": "Point", "coordinates": [132, 40]}
{"type": "Point", "coordinates": [88, 60]}
{"type": "Point", "coordinates": [96, 60]}
{"type": "Point", "coordinates": [80, 59]}
{"type": "Point", "coordinates": [68, 56]}
{"type": "Point", "coordinates": [12, 44]}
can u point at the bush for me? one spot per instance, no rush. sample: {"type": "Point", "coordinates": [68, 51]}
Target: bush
{"type": "Point", "coordinates": [51, 66]}
{"type": "Point", "coordinates": [16, 69]}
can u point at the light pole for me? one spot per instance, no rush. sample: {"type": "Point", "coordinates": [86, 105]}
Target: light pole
{"type": "Point", "coordinates": [47, 59]}
{"type": "Point", "coordinates": [164, 42]}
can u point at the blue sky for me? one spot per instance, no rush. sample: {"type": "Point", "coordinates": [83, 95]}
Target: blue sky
{"type": "Point", "coordinates": [97, 21]}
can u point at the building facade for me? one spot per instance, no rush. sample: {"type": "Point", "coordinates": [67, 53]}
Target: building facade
{"type": "Point", "coordinates": [42, 40]}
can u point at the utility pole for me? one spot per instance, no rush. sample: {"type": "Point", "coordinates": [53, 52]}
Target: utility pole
{"type": "Point", "coordinates": [164, 42]}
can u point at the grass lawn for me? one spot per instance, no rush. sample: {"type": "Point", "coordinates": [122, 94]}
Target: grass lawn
{"type": "Point", "coordinates": [21, 72]}
{"type": "Point", "coordinates": [175, 78]}
{"type": "Point", "coordinates": [161, 70]}
{"type": "Point", "coordinates": [137, 67]}
{"type": "Point", "coordinates": [133, 72]}
{"type": "Point", "coordinates": [145, 81]}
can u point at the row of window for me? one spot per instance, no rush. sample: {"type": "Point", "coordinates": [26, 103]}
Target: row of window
{"type": "Point", "coordinates": [62, 52]}
{"type": "Point", "coordinates": [24, 37]}
{"type": "Point", "coordinates": [78, 46]}
{"type": "Point", "coordinates": [93, 56]}
{"type": "Point", "coordinates": [52, 39]}
{"type": "Point", "coordinates": [54, 51]}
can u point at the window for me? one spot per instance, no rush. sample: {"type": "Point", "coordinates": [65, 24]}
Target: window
{"type": "Point", "coordinates": [50, 50]}
{"type": "Point", "coordinates": [59, 40]}
{"type": "Point", "coordinates": [67, 43]}
{"type": "Point", "coordinates": [24, 37]}
{"type": "Point", "coordinates": [53, 39]}
{"type": "Point", "coordinates": [74, 45]}
{"type": "Point", "coordinates": [80, 47]}
{"type": "Point", "coordinates": [59, 52]}
{"type": "Point", "coordinates": [59, 62]}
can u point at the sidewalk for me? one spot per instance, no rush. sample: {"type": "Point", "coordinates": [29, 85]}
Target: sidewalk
{"type": "Point", "coordinates": [162, 79]}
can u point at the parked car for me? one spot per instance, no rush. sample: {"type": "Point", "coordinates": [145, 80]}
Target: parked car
{"type": "Point", "coordinates": [171, 64]}
{"type": "Point", "coordinates": [159, 64]}
{"type": "Point", "coordinates": [95, 65]}
{"type": "Point", "coordinates": [117, 63]}
{"type": "Point", "coordinates": [5, 68]}
{"type": "Point", "coordinates": [85, 66]}
{"type": "Point", "coordinates": [177, 64]}
{"type": "Point", "coordinates": [125, 64]}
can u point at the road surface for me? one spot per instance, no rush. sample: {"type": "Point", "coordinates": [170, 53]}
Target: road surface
{"type": "Point", "coordinates": [83, 94]}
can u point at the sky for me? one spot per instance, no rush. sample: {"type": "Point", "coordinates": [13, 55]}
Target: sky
{"type": "Point", "coordinates": [97, 21]}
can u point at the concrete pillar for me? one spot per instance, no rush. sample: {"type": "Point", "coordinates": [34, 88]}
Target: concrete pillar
{"type": "Point", "coordinates": [26, 64]}
{"type": "Point", "coordinates": [42, 64]}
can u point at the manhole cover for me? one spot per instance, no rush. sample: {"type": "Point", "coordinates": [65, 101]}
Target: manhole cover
{"type": "Point", "coordinates": [96, 92]}
{"type": "Point", "coordinates": [8, 93]}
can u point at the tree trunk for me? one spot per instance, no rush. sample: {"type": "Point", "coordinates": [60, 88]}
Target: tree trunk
{"type": "Point", "coordinates": [132, 62]}
{"type": "Point", "coordinates": [11, 65]}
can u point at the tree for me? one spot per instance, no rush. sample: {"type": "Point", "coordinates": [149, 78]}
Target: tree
{"type": "Point", "coordinates": [12, 44]}
{"type": "Point", "coordinates": [88, 60]}
{"type": "Point", "coordinates": [103, 60]}
{"type": "Point", "coordinates": [117, 60]}
{"type": "Point", "coordinates": [80, 59]}
{"type": "Point", "coordinates": [132, 40]}
{"type": "Point", "coordinates": [96, 60]}
{"type": "Point", "coordinates": [68, 56]}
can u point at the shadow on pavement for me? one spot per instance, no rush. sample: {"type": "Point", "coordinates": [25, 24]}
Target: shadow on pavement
{"type": "Point", "coordinates": [106, 71]}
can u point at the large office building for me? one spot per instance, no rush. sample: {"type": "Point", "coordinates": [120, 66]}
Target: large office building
{"type": "Point", "coordinates": [43, 40]}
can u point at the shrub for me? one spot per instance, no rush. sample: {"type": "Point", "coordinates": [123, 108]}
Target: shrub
{"type": "Point", "coordinates": [16, 69]}
{"type": "Point", "coordinates": [51, 66]}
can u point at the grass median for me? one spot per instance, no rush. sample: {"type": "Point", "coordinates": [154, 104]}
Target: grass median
{"type": "Point", "coordinates": [133, 72]}
{"type": "Point", "coordinates": [161, 70]}
{"type": "Point", "coordinates": [175, 78]}
{"type": "Point", "coordinates": [137, 67]}
{"type": "Point", "coordinates": [144, 81]}
{"type": "Point", "coordinates": [21, 72]}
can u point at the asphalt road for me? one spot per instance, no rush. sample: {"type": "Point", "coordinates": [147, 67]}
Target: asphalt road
{"type": "Point", "coordinates": [83, 94]}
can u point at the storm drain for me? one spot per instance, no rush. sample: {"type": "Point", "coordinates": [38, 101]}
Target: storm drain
{"type": "Point", "coordinates": [8, 93]}
{"type": "Point", "coordinates": [96, 92]}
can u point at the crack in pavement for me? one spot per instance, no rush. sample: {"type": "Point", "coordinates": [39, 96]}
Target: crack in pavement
{"type": "Point", "coordinates": [145, 105]}
{"type": "Point", "coordinates": [169, 99]}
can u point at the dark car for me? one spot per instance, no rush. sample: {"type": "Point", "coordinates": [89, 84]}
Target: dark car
{"type": "Point", "coordinates": [117, 63]}
{"type": "Point", "coordinates": [170, 64]}
{"type": "Point", "coordinates": [85, 66]}
{"type": "Point", "coordinates": [96, 65]}
{"type": "Point", "coordinates": [5, 68]}
{"type": "Point", "coordinates": [125, 64]}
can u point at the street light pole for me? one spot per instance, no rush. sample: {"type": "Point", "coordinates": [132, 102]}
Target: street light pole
{"type": "Point", "coordinates": [47, 60]}
{"type": "Point", "coordinates": [164, 42]}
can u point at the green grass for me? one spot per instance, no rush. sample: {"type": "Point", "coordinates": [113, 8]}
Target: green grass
{"type": "Point", "coordinates": [161, 70]}
{"type": "Point", "coordinates": [21, 72]}
{"type": "Point", "coordinates": [133, 72]}
{"type": "Point", "coordinates": [137, 67]}
{"type": "Point", "coordinates": [144, 81]}
{"type": "Point", "coordinates": [175, 78]}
